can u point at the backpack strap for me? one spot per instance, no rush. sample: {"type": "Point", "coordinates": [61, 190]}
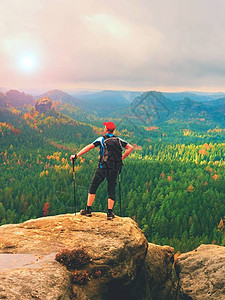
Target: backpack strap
{"type": "Point", "coordinates": [120, 143]}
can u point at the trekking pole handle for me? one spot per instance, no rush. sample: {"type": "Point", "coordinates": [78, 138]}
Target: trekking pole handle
{"type": "Point", "coordinates": [73, 160]}
{"type": "Point", "coordinates": [73, 157]}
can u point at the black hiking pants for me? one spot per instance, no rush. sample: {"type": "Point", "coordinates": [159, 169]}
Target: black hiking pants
{"type": "Point", "coordinates": [99, 176]}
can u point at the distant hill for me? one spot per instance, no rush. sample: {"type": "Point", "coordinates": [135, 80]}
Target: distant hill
{"type": "Point", "coordinates": [75, 112]}
{"type": "Point", "coordinates": [156, 106]}
{"type": "Point", "coordinates": [18, 132]}
{"type": "Point", "coordinates": [17, 98]}
{"type": "Point", "coordinates": [59, 96]}
{"type": "Point", "coordinates": [68, 105]}
{"type": "Point", "coordinates": [200, 97]}
{"type": "Point", "coordinates": [2, 100]}
{"type": "Point", "coordinates": [218, 103]}
{"type": "Point", "coordinates": [188, 106]}
{"type": "Point", "coordinates": [50, 125]}
{"type": "Point", "coordinates": [152, 108]}
{"type": "Point", "coordinates": [105, 102]}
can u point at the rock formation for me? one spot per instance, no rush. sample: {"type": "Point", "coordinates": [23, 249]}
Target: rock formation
{"type": "Point", "coordinates": [17, 98]}
{"type": "Point", "coordinates": [121, 263]}
{"type": "Point", "coordinates": [43, 105]}
{"type": "Point", "coordinates": [158, 273]}
{"type": "Point", "coordinates": [201, 273]}
{"type": "Point", "coordinates": [117, 249]}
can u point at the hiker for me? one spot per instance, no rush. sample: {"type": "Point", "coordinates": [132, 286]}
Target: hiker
{"type": "Point", "coordinates": [109, 166]}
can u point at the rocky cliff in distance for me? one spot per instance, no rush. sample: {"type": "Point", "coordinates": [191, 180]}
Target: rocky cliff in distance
{"type": "Point", "coordinates": [121, 263]}
{"type": "Point", "coordinates": [17, 98]}
{"type": "Point", "coordinates": [43, 105]}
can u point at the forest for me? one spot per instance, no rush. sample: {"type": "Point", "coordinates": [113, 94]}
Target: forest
{"type": "Point", "coordinates": [172, 183]}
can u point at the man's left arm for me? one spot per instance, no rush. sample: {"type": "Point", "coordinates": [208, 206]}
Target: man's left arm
{"type": "Point", "coordinates": [128, 150]}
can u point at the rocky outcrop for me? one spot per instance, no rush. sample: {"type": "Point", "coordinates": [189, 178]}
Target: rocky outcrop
{"type": "Point", "coordinates": [43, 105]}
{"type": "Point", "coordinates": [201, 273]}
{"type": "Point", "coordinates": [17, 98]}
{"type": "Point", "coordinates": [119, 263]}
{"type": "Point", "coordinates": [158, 271]}
{"type": "Point", "coordinates": [26, 276]}
{"type": "Point", "coordinates": [117, 249]}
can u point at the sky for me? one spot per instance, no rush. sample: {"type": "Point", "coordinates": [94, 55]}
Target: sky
{"type": "Point", "coordinates": [164, 45]}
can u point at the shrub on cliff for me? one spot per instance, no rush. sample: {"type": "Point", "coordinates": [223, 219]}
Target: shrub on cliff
{"type": "Point", "coordinates": [73, 259]}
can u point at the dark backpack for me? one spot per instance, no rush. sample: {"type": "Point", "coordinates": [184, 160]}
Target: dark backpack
{"type": "Point", "coordinates": [112, 157]}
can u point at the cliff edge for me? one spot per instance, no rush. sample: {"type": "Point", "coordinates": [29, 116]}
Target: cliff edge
{"type": "Point", "coordinates": [116, 248]}
{"type": "Point", "coordinates": [101, 260]}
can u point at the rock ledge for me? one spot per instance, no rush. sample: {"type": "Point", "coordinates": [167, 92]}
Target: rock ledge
{"type": "Point", "coordinates": [118, 247]}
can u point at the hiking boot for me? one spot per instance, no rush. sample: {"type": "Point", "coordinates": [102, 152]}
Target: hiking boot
{"type": "Point", "coordinates": [86, 212]}
{"type": "Point", "coordinates": [110, 215]}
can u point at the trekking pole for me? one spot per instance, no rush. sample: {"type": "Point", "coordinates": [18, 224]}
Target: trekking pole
{"type": "Point", "coordinates": [74, 188]}
{"type": "Point", "coordinates": [120, 194]}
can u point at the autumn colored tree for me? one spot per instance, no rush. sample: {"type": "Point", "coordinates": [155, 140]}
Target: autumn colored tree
{"type": "Point", "coordinates": [46, 209]}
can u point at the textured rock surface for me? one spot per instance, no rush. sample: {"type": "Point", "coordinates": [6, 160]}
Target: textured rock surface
{"type": "Point", "coordinates": [160, 283]}
{"type": "Point", "coordinates": [43, 105]}
{"type": "Point", "coordinates": [130, 267]}
{"type": "Point", "coordinates": [117, 248]}
{"type": "Point", "coordinates": [37, 279]}
{"type": "Point", "coordinates": [202, 273]}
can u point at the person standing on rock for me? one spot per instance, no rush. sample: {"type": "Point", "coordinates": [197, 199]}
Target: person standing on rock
{"type": "Point", "coordinates": [109, 166]}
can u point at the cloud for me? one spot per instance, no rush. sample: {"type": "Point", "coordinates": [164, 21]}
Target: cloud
{"type": "Point", "coordinates": [114, 44]}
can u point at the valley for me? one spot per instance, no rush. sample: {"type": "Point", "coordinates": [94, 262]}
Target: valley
{"type": "Point", "coordinates": [172, 184]}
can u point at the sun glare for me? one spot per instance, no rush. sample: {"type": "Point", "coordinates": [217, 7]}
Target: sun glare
{"type": "Point", "coordinates": [28, 63]}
